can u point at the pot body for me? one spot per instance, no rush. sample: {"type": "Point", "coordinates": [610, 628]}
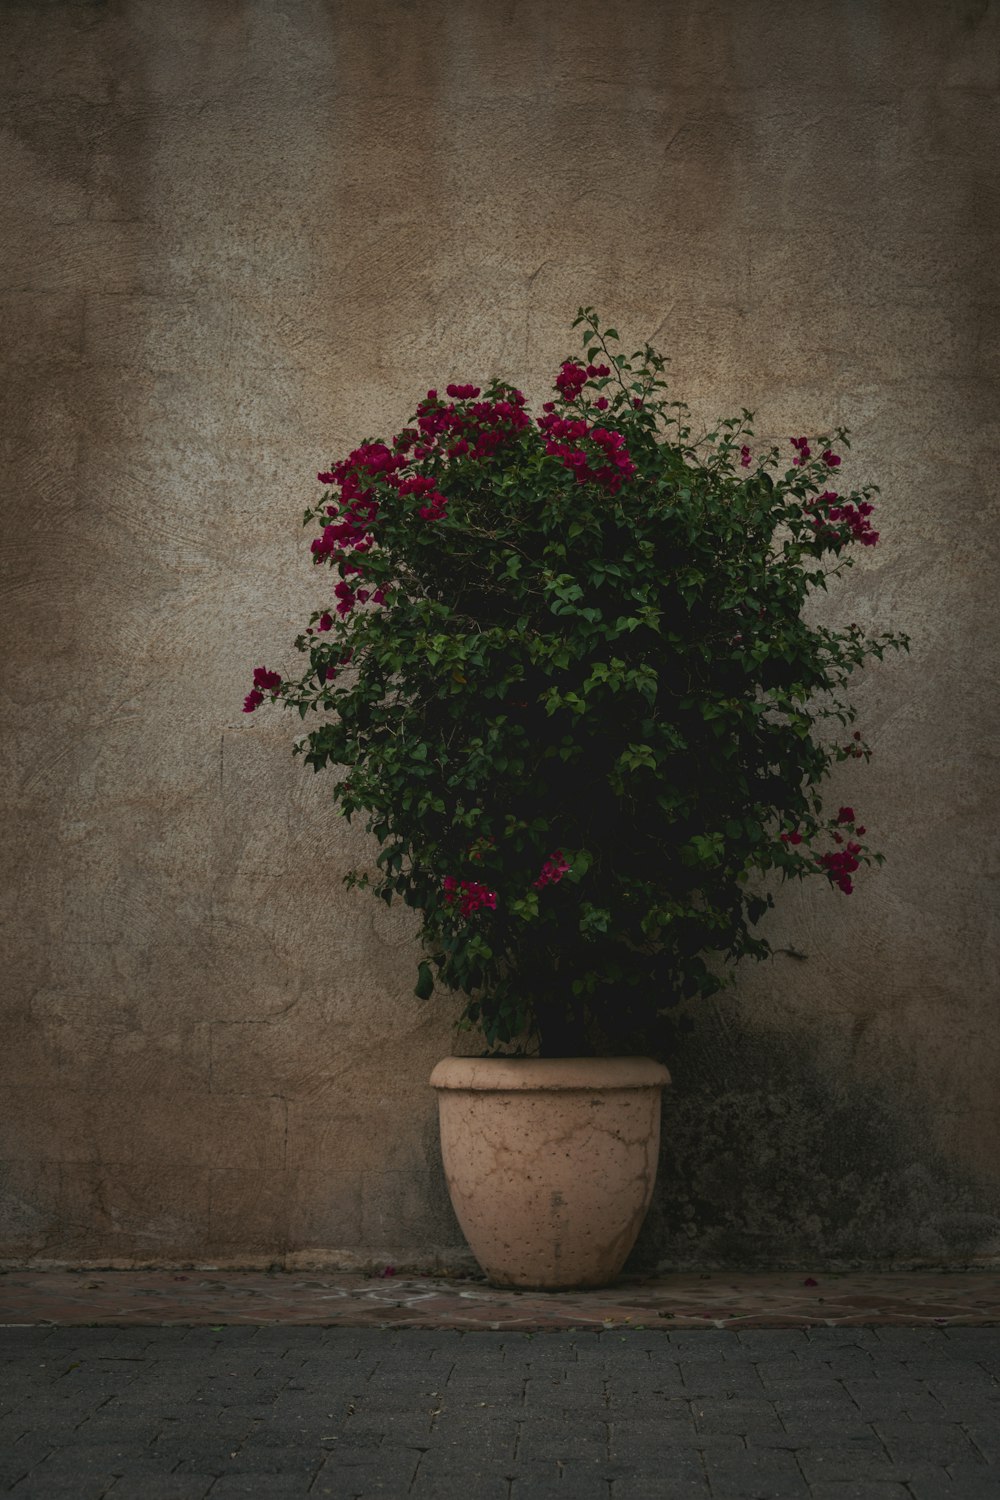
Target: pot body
{"type": "Point", "coordinates": [550, 1162]}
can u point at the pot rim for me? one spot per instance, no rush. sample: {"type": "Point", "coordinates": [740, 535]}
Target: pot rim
{"type": "Point", "coordinates": [520, 1074]}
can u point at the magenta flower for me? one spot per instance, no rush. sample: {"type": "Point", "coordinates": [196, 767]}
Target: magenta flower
{"type": "Point", "coordinates": [470, 895]}
{"type": "Point", "coordinates": [840, 865]}
{"type": "Point", "coordinates": [553, 870]}
{"type": "Point", "coordinates": [571, 380]}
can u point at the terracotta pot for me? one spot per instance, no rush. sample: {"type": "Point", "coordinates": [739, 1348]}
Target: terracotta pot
{"type": "Point", "coordinates": [550, 1162]}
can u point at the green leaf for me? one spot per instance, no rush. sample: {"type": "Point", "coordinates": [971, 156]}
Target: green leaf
{"type": "Point", "coordinates": [424, 987]}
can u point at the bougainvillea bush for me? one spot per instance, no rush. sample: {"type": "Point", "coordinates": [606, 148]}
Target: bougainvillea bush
{"type": "Point", "coordinates": [565, 677]}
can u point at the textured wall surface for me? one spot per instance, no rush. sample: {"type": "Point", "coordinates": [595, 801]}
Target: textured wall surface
{"type": "Point", "coordinates": [238, 236]}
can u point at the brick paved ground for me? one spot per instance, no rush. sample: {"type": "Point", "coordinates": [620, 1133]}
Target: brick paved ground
{"type": "Point", "coordinates": [180, 1413]}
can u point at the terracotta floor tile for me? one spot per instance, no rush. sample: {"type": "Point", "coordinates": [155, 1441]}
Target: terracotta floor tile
{"type": "Point", "coordinates": [689, 1300]}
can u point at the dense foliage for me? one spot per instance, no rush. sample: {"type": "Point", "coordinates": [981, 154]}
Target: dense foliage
{"type": "Point", "coordinates": [567, 680]}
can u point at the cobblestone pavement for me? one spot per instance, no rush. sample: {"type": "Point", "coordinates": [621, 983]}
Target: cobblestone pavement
{"type": "Point", "coordinates": [717, 1299]}
{"type": "Point", "coordinates": [180, 1413]}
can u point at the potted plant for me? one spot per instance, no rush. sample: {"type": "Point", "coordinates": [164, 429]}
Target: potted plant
{"type": "Point", "coordinates": [566, 678]}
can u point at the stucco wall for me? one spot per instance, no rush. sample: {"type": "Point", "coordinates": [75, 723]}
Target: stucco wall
{"type": "Point", "coordinates": [237, 237]}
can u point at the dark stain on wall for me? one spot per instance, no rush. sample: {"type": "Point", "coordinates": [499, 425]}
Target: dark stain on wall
{"type": "Point", "coordinates": [780, 1164]}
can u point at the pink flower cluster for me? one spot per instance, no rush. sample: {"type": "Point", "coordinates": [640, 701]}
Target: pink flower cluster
{"type": "Point", "coordinates": [744, 457]}
{"type": "Point", "coordinates": [347, 597]}
{"type": "Point", "coordinates": [831, 459]}
{"type": "Point", "coordinates": [348, 535]}
{"type": "Point", "coordinates": [470, 895]}
{"type": "Point", "coordinates": [463, 426]}
{"type": "Point", "coordinates": [573, 377]}
{"type": "Point", "coordinates": [840, 865]}
{"type": "Point", "coordinates": [477, 429]}
{"type": "Point", "coordinates": [846, 816]}
{"type": "Point", "coordinates": [564, 433]}
{"type": "Point", "coordinates": [553, 870]}
{"type": "Point", "coordinates": [263, 682]}
{"type": "Point", "coordinates": [856, 517]}
{"type": "Point", "coordinates": [435, 506]}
